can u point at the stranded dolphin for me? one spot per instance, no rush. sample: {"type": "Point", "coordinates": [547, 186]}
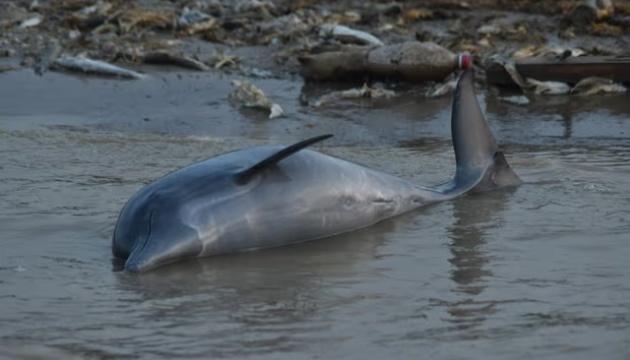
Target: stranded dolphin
{"type": "Point", "coordinates": [270, 196]}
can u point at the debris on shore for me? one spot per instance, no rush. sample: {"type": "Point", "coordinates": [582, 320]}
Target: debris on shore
{"type": "Point", "coordinates": [589, 12]}
{"type": "Point", "coordinates": [330, 41]}
{"type": "Point", "coordinates": [221, 60]}
{"type": "Point", "coordinates": [169, 58]}
{"type": "Point", "coordinates": [248, 95]}
{"type": "Point", "coordinates": [537, 77]}
{"type": "Point", "coordinates": [442, 89]}
{"type": "Point", "coordinates": [52, 51]}
{"type": "Point", "coordinates": [569, 69]}
{"type": "Point", "coordinates": [364, 92]}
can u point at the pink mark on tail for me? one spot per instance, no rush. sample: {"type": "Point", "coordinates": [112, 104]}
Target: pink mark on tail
{"type": "Point", "coordinates": [465, 61]}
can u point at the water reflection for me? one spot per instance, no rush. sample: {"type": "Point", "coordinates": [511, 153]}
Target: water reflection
{"type": "Point", "coordinates": [559, 117]}
{"type": "Point", "coordinates": [266, 294]}
{"type": "Point", "coordinates": [613, 104]}
{"type": "Point", "coordinates": [474, 216]}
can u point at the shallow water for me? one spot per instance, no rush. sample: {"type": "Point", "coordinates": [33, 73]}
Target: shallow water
{"type": "Point", "coordinates": [537, 272]}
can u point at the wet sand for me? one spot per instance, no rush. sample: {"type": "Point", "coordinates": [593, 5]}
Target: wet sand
{"type": "Point", "coordinates": [538, 272]}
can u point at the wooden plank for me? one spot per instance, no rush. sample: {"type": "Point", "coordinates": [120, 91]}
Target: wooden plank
{"type": "Point", "coordinates": [570, 70]}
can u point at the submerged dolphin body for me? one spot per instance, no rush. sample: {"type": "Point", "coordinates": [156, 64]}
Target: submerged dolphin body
{"type": "Point", "coordinates": [270, 196]}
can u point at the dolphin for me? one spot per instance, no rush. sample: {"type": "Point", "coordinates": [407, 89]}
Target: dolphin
{"type": "Point", "coordinates": [269, 196]}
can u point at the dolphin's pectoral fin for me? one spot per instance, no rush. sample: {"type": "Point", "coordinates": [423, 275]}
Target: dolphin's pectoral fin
{"type": "Point", "coordinates": [247, 174]}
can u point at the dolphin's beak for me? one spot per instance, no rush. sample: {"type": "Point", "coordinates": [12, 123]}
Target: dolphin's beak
{"type": "Point", "coordinates": [157, 252]}
{"type": "Point", "coordinates": [137, 266]}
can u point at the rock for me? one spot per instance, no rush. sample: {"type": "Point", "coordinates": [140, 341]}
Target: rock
{"type": "Point", "coordinates": [248, 95]}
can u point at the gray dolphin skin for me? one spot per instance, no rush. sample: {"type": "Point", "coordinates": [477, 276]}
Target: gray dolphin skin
{"type": "Point", "coordinates": [270, 196]}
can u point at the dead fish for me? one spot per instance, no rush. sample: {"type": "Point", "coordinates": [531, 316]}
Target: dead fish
{"type": "Point", "coordinates": [348, 35]}
{"type": "Point", "coordinates": [86, 65]}
{"type": "Point", "coordinates": [364, 92]}
{"type": "Point", "coordinates": [441, 89]}
{"type": "Point", "coordinates": [167, 58]}
{"type": "Point", "coordinates": [547, 87]}
{"type": "Point", "coordinates": [248, 95]}
{"type": "Point", "coordinates": [597, 85]}
{"type": "Point", "coordinates": [516, 100]}
{"type": "Point", "coordinates": [31, 22]}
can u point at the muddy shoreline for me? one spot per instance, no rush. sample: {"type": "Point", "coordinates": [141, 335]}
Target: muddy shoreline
{"type": "Point", "coordinates": [264, 38]}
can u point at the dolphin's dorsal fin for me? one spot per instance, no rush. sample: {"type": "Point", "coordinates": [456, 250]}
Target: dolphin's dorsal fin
{"type": "Point", "coordinates": [247, 174]}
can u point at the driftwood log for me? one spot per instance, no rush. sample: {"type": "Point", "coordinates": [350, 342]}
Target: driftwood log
{"type": "Point", "coordinates": [569, 70]}
{"type": "Point", "coordinates": [412, 61]}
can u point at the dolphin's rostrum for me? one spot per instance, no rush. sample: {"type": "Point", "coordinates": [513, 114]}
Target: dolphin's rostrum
{"type": "Point", "coordinates": [271, 196]}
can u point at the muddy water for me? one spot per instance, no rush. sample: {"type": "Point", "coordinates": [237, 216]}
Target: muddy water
{"type": "Point", "coordinates": [539, 272]}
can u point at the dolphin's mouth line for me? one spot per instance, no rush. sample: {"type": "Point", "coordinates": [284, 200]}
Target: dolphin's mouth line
{"type": "Point", "coordinates": [138, 249]}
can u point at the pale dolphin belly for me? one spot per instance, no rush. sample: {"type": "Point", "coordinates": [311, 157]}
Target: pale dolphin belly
{"type": "Point", "coordinates": [307, 196]}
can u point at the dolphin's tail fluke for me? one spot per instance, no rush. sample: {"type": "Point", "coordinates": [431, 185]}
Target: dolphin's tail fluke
{"type": "Point", "coordinates": [480, 166]}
